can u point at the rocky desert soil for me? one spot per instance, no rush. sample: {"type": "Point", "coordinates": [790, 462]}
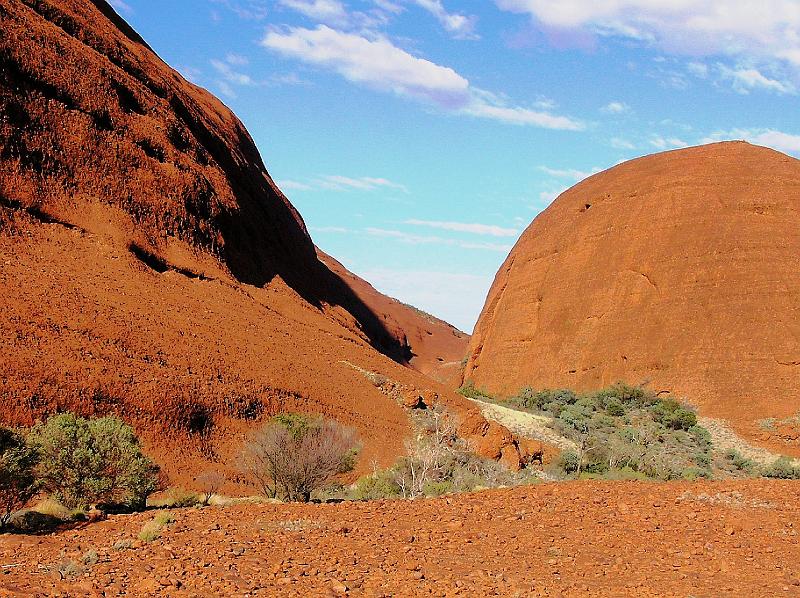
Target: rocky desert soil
{"type": "Point", "coordinates": [703, 539]}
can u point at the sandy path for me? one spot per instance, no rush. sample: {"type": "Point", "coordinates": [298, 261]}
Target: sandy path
{"type": "Point", "coordinates": [526, 425]}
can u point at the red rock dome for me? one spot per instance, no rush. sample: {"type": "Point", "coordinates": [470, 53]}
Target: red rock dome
{"type": "Point", "coordinates": [680, 269]}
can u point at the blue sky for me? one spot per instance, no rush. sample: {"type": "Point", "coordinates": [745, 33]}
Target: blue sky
{"type": "Point", "coordinates": [418, 138]}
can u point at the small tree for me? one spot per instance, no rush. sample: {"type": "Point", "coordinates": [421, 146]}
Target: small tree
{"type": "Point", "coordinates": [290, 461]}
{"type": "Point", "coordinates": [18, 484]}
{"type": "Point", "coordinates": [431, 454]}
{"type": "Point", "coordinates": [84, 462]}
{"type": "Point", "coordinates": [210, 482]}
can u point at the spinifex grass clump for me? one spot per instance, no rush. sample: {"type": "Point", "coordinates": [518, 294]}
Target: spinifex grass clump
{"type": "Point", "coordinates": [624, 431]}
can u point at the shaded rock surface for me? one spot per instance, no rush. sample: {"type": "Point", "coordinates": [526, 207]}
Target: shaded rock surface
{"type": "Point", "coordinates": [679, 270]}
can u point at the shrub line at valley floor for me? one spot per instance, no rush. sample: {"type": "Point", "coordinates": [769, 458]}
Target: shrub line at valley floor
{"type": "Point", "coordinates": [81, 468]}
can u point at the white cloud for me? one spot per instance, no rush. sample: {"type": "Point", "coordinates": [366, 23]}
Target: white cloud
{"type": "Point", "coordinates": [237, 59]}
{"type": "Point", "coordinates": [121, 6]}
{"type": "Point", "coordinates": [620, 143]}
{"type": "Point", "coordinates": [250, 10]}
{"type": "Point", "coordinates": [517, 115]}
{"type": "Point", "coordinates": [293, 185]}
{"type": "Point", "coordinates": [388, 6]}
{"type": "Point", "coordinates": [461, 26]}
{"type": "Point", "coordinates": [226, 90]}
{"type": "Point", "coordinates": [698, 69]}
{"type": "Point", "coordinates": [569, 173]}
{"type": "Point", "coordinates": [463, 227]}
{"type": "Point", "coordinates": [746, 79]}
{"type": "Point", "coordinates": [615, 108]}
{"type": "Point", "coordinates": [191, 74]}
{"type": "Point", "coordinates": [414, 239]}
{"type": "Point", "coordinates": [341, 183]}
{"type": "Point", "coordinates": [229, 74]}
{"type": "Point", "coordinates": [548, 197]}
{"type": "Point", "coordinates": [375, 62]}
{"type": "Point", "coordinates": [662, 143]}
{"type": "Point", "coordinates": [768, 28]}
{"type": "Point", "coordinates": [324, 11]}
{"type": "Point", "coordinates": [779, 140]}
{"type": "Point", "coordinates": [378, 63]}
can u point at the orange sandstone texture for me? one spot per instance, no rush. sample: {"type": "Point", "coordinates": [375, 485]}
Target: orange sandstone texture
{"type": "Point", "coordinates": [149, 266]}
{"type": "Point", "coordinates": [678, 269]}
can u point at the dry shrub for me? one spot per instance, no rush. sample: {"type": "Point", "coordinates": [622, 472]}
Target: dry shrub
{"type": "Point", "coordinates": [293, 456]}
{"type": "Point", "coordinates": [211, 482]}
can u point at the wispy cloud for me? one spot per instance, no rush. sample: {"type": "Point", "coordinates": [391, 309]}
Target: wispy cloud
{"type": "Point", "coordinates": [228, 76]}
{"type": "Point", "coordinates": [459, 25]}
{"type": "Point", "coordinates": [569, 173]}
{"type": "Point", "coordinates": [329, 229]}
{"type": "Point", "coordinates": [121, 6]}
{"type": "Point", "coordinates": [341, 183]}
{"type": "Point", "coordinates": [615, 108]}
{"type": "Point", "coordinates": [287, 184]}
{"type": "Point", "coordinates": [785, 142]}
{"type": "Point", "coordinates": [549, 196]}
{"type": "Point", "coordinates": [249, 10]}
{"type": "Point", "coordinates": [376, 62]}
{"type": "Point", "coordinates": [324, 11]}
{"type": "Point", "coordinates": [766, 30]}
{"type": "Point", "coordinates": [620, 143]}
{"type": "Point", "coordinates": [744, 80]}
{"type": "Point", "coordinates": [464, 227]}
{"type": "Point", "coordinates": [662, 143]}
{"type": "Point", "coordinates": [414, 239]}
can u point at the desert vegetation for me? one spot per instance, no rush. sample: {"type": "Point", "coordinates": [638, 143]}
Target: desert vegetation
{"type": "Point", "coordinates": [438, 462]}
{"type": "Point", "coordinates": [76, 463]}
{"type": "Point", "coordinates": [630, 432]}
{"type": "Point", "coordinates": [624, 431]}
{"type": "Point", "coordinates": [18, 482]}
{"type": "Point", "coordinates": [294, 455]}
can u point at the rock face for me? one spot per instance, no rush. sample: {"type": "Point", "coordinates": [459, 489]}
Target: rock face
{"type": "Point", "coordinates": [149, 267]}
{"type": "Point", "coordinates": [678, 269]}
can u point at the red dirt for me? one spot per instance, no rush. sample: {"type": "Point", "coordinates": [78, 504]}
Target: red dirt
{"type": "Point", "coordinates": [569, 539]}
{"type": "Point", "coordinates": [149, 267]}
{"type": "Point", "coordinates": [680, 269]}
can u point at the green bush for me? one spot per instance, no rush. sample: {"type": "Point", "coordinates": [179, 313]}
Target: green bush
{"type": "Point", "coordinates": [438, 488]}
{"type": "Point", "coordinates": [568, 461]}
{"type": "Point", "coordinates": [469, 391]}
{"type": "Point", "coordinates": [738, 461]}
{"type": "Point", "coordinates": [378, 485]}
{"type": "Point", "coordinates": [614, 407]}
{"type": "Point", "coordinates": [623, 426]}
{"type": "Point", "coordinates": [18, 483]}
{"type": "Point", "coordinates": [782, 469]}
{"type": "Point", "coordinates": [91, 461]}
{"type": "Point", "coordinates": [671, 414]}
